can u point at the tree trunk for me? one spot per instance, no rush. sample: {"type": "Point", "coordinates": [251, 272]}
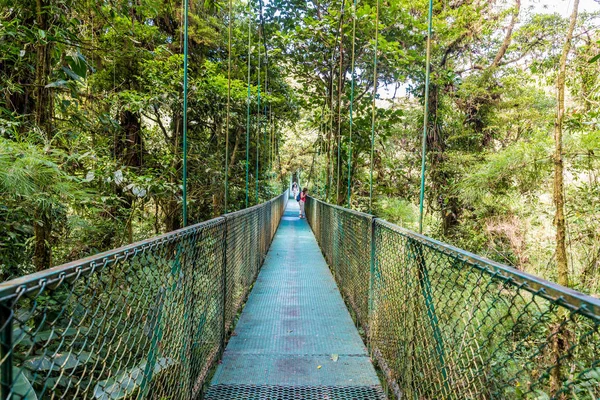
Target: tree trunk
{"type": "Point", "coordinates": [340, 90]}
{"type": "Point", "coordinates": [42, 228]}
{"type": "Point", "coordinates": [508, 36]}
{"type": "Point", "coordinates": [233, 157]}
{"type": "Point", "coordinates": [440, 178]}
{"type": "Point", "coordinates": [42, 95]}
{"type": "Point", "coordinates": [42, 256]}
{"type": "Point", "coordinates": [559, 199]}
{"type": "Point", "coordinates": [129, 147]}
{"type": "Point", "coordinates": [129, 152]}
{"type": "Point", "coordinates": [172, 209]}
{"type": "Point", "coordinates": [560, 338]}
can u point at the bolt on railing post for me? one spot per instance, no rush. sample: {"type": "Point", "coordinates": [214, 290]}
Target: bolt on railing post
{"type": "Point", "coordinates": [6, 341]}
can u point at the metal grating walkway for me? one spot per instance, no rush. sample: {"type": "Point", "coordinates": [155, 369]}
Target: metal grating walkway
{"type": "Point", "coordinates": [295, 338]}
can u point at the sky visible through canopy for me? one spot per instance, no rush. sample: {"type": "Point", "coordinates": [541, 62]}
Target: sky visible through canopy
{"type": "Point", "coordinates": [563, 7]}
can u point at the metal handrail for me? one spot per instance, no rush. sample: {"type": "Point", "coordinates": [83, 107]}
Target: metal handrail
{"type": "Point", "coordinates": [446, 323]}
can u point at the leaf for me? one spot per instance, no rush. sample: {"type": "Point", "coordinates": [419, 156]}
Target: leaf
{"type": "Point", "coordinates": [335, 357]}
{"type": "Point", "coordinates": [21, 387]}
{"type": "Point", "coordinates": [41, 363]}
{"type": "Point", "coordinates": [60, 361]}
{"type": "Point", "coordinates": [58, 83]}
{"type": "Point", "coordinates": [595, 58]}
{"type": "Point", "coordinates": [71, 74]}
{"type": "Point", "coordinates": [319, 367]}
{"type": "Point", "coordinates": [138, 191]}
{"type": "Point", "coordinates": [541, 395]}
{"type": "Point", "coordinates": [56, 334]}
{"type": "Point", "coordinates": [127, 382]}
{"type": "Point", "coordinates": [78, 64]}
{"type": "Point", "coordinates": [118, 176]}
{"type": "Point", "coordinates": [21, 337]}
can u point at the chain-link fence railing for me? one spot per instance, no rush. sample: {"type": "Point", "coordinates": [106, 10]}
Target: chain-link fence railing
{"type": "Point", "coordinates": [345, 238]}
{"type": "Point", "coordinates": [445, 323]}
{"type": "Point", "coordinates": [147, 320]}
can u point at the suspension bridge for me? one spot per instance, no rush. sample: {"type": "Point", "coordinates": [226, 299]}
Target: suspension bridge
{"type": "Point", "coordinates": [259, 304]}
{"type": "Point", "coordinates": [352, 307]}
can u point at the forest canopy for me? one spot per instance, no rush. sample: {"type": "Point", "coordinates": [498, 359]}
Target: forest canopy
{"type": "Point", "coordinates": [91, 121]}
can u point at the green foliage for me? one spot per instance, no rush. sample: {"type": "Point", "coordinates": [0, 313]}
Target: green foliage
{"type": "Point", "coordinates": [398, 211]}
{"type": "Point", "coordinates": [492, 111]}
{"type": "Point", "coordinates": [91, 118]}
{"type": "Point", "coordinates": [102, 166]}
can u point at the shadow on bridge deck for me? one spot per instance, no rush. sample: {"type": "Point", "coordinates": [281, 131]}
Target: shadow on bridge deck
{"type": "Point", "coordinates": [295, 338]}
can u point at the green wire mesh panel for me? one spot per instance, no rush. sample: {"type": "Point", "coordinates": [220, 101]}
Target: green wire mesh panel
{"type": "Point", "coordinates": [347, 248]}
{"type": "Point", "coordinates": [444, 323]}
{"type": "Point", "coordinates": [144, 321]}
{"type": "Point", "coordinates": [243, 257]}
{"type": "Point", "coordinates": [345, 238]}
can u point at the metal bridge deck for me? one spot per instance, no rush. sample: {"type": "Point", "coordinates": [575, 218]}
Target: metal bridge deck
{"type": "Point", "coordinates": [295, 338]}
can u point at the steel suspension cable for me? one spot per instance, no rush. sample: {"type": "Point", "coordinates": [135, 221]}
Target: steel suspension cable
{"type": "Point", "coordinates": [425, 115]}
{"type": "Point", "coordinates": [248, 101]}
{"type": "Point", "coordinates": [329, 177]}
{"type": "Point", "coordinates": [340, 82]}
{"type": "Point", "coordinates": [351, 104]}
{"type": "Point", "coordinates": [331, 110]}
{"type": "Point", "coordinates": [425, 281]}
{"type": "Point", "coordinates": [272, 128]}
{"type": "Point", "coordinates": [266, 123]}
{"type": "Point", "coordinates": [258, 123]}
{"type": "Point", "coordinates": [373, 107]}
{"type": "Point", "coordinates": [228, 108]}
{"type": "Point", "coordinates": [185, 95]}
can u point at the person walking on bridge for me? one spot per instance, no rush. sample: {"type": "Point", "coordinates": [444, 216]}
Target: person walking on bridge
{"type": "Point", "coordinates": [303, 196]}
{"type": "Point", "coordinates": [295, 189]}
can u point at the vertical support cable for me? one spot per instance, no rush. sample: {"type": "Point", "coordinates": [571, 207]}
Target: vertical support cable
{"type": "Point", "coordinates": [258, 122]}
{"type": "Point", "coordinates": [425, 115]}
{"type": "Point", "coordinates": [351, 104]}
{"type": "Point", "coordinates": [329, 177]}
{"type": "Point", "coordinates": [340, 82]}
{"type": "Point", "coordinates": [185, 95]}
{"type": "Point", "coordinates": [228, 108]}
{"type": "Point", "coordinates": [266, 122]}
{"type": "Point", "coordinates": [272, 128]}
{"type": "Point", "coordinates": [423, 272]}
{"type": "Point", "coordinates": [373, 108]}
{"type": "Point", "coordinates": [278, 156]}
{"type": "Point", "coordinates": [248, 101]}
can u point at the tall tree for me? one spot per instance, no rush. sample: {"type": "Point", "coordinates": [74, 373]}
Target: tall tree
{"type": "Point", "coordinates": [559, 197]}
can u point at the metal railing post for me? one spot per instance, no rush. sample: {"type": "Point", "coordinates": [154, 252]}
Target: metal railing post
{"type": "Point", "coordinates": [371, 282]}
{"type": "Point", "coordinates": [224, 286]}
{"type": "Point", "coordinates": [425, 283]}
{"type": "Point", "coordinates": [6, 341]}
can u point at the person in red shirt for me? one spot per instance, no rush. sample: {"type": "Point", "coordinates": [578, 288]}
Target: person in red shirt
{"type": "Point", "coordinates": [303, 196]}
